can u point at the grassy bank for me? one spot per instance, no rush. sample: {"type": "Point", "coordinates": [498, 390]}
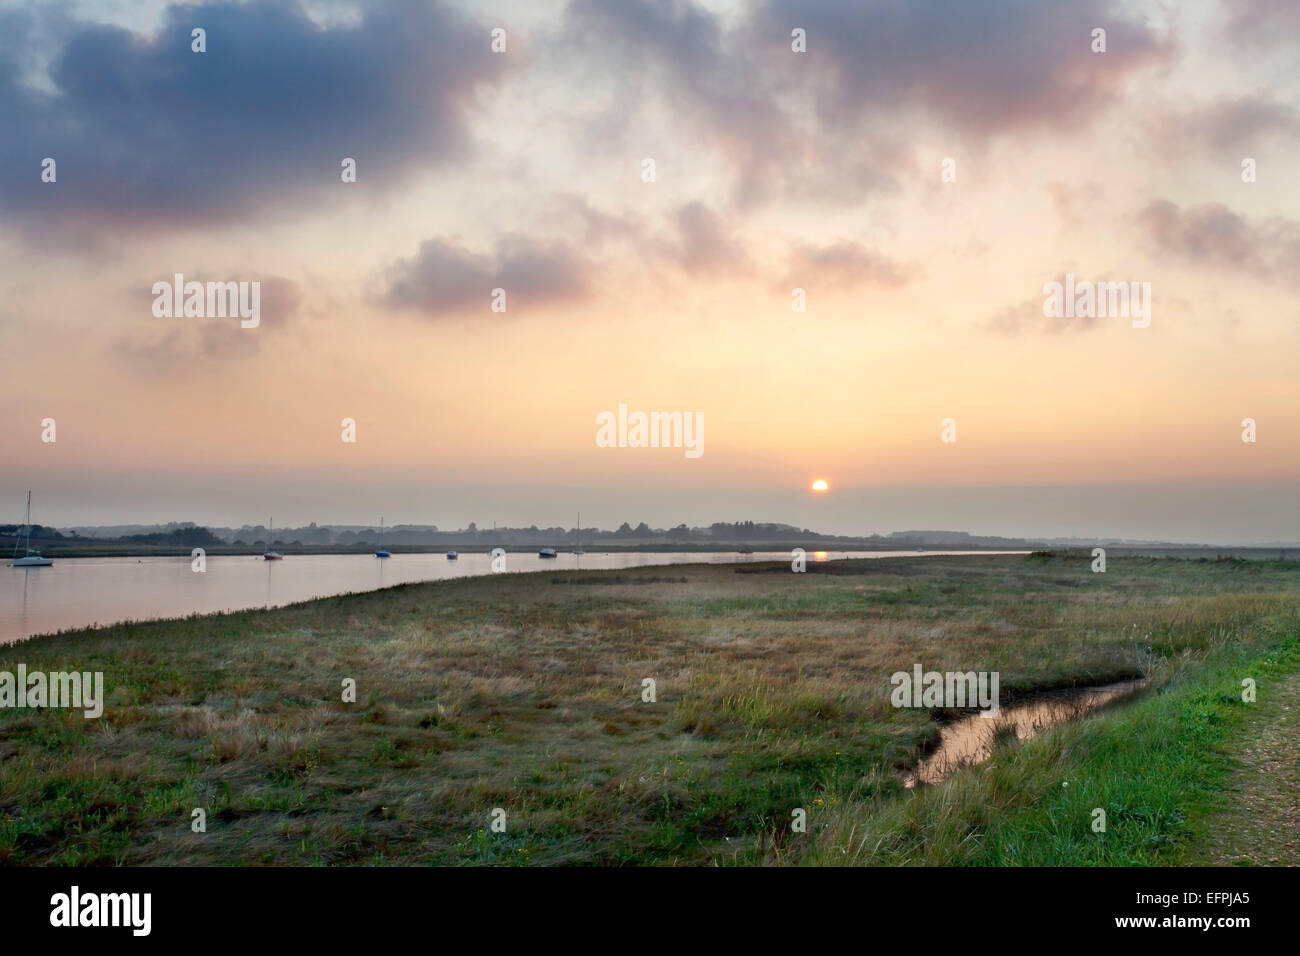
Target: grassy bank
{"type": "Point", "coordinates": [524, 692]}
{"type": "Point", "coordinates": [1159, 769]}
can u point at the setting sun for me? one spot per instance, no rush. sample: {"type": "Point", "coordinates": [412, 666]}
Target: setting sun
{"type": "Point", "coordinates": [820, 485]}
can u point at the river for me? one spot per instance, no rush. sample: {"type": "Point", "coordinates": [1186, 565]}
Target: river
{"type": "Point", "coordinates": [80, 592]}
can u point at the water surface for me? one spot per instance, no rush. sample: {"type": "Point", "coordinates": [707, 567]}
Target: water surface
{"type": "Point", "coordinates": [971, 740]}
{"type": "Point", "coordinates": [79, 592]}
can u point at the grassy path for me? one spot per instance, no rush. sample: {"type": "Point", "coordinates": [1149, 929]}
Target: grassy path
{"type": "Point", "coordinates": [1261, 825]}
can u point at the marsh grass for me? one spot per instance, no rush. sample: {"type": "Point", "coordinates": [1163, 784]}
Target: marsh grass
{"type": "Point", "coordinates": [509, 692]}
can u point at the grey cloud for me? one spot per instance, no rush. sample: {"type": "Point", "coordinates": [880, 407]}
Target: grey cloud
{"type": "Point", "coordinates": [843, 265]}
{"type": "Point", "coordinates": [597, 226]}
{"type": "Point", "coordinates": [706, 244]}
{"type": "Point", "coordinates": [1255, 23]}
{"type": "Point", "coordinates": [981, 68]}
{"type": "Point", "coordinates": [163, 347]}
{"type": "Point", "coordinates": [1212, 234]}
{"type": "Point", "coordinates": [148, 134]}
{"type": "Point", "coordinates": [444, 278]}
{"type": "Point", "coordinates": [1067, 199]}
{"type": "Point", "coordinates": [704, 73]}
{"type": "Point", "coordinates": [1233, 124]}
{"type": "Point", "coordinates": [1027, 316]}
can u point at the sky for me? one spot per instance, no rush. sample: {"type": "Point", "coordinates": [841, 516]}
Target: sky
{"type": "Point", "coordinates": [919, 170]}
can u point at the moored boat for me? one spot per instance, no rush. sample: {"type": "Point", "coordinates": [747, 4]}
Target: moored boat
{"type": "Point", "coordinates": [30, 558]}
{"type": "Point", "coordinates": [271, 554]}
{"type": "Point", "coordinates": [578, 550]}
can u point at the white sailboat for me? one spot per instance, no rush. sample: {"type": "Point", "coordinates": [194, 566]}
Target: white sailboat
{"type": "Point", "coordinates": [578, 549]}
{"type": "Point", "coordinates": [30, 558]}
{"type": "Point", "coordinates": [271, 554]}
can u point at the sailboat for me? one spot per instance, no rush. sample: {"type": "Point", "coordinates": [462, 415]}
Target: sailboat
{"type": "Point", "coordinates": [30, 558]}
{"type": "Point", "coordinates": [271, 554]}
{"type": "Point", "coordinates": [382, 552]}
{"type": "Point", "coordinates": [578, 549]}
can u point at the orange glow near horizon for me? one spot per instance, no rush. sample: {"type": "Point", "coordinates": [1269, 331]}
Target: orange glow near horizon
{"type": "Point", "coordinates": [820, 485]}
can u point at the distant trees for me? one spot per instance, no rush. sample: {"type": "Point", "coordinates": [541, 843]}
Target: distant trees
{"type": "Point", "coordinates": [750, 531]}
{"type": "Point", "coordinates": [188, 536]}
{"type": "Point", "coordinates": [718, 531]}
{"type": "Point", "coordinates": [38, 531]}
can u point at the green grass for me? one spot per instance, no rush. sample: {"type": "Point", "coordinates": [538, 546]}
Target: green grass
{"type": "Point", "coordinates": [773, 694]}
{"type": "Point", "coordinates": [1156, 767]}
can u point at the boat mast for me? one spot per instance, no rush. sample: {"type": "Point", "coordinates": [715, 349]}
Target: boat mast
{"type": "Point", "coordinates": [26, 532]}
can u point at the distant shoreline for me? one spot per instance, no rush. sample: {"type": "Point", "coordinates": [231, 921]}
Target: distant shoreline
{"type": "Point", "coordinates": [89, 550]}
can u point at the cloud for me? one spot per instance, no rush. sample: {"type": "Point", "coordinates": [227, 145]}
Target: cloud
{"type": "Point", "coordinates": [705, 74]}
{"type": "Point", "coordinates": [845, 265]}
{"type": "Point", "coordinates": [147, 133]}
{"type": "Point", "coordinates": [1211, 234]}
{"type": "Point", "coordinates": [706, 244]}
{"type": "Point", "coordinates": [1066, 199]}
{"type": "Point", "coordinates": [1256, 23]}
{"type": "Point", "coordinates": [597, 226]}
{"type": "Point", "coordinates": [981, 68]}
{"type": "Point", "coordinates": [445, 278]}
{"type": "Point", "coordinates": [167, 346]}
{"type": "Point", "coordinates": [826, 123]}
{"type": "Point", "coordinates": [724, 87]}
{"type": "Point", "coordinates": [1229, 124]}
{"type": "Point", "coordinates": [1027, 316]}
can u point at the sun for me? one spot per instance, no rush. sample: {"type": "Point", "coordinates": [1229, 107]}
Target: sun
{"type": "Point", "coordinates": [821, 485]}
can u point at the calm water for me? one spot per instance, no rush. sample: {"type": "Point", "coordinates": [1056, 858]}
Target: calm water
{"type": "Point", "coordinates": [972, 740]}
{"type": "Point", "coordinates": [79, 592]}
